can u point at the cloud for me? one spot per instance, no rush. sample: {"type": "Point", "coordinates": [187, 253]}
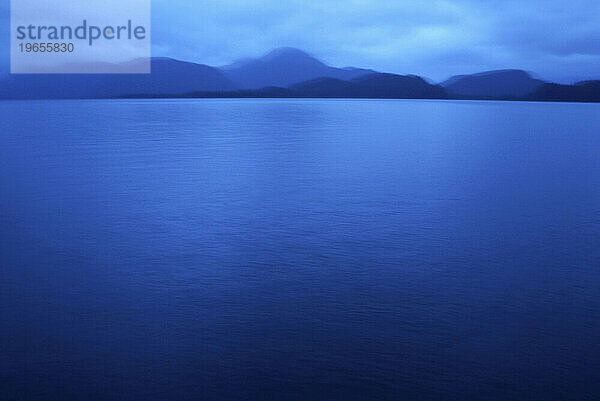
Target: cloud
{"type": "Point", "coordinates": [557, 39]}
{"type": "Point", "coordinates": [437, 38]}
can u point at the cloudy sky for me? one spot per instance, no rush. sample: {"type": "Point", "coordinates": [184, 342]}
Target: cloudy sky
{"type": "Point", "coordinates": [556, 39]}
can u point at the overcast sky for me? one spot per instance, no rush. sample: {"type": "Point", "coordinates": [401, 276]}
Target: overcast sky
{"type": "Point", "coordinates": [556, 39]}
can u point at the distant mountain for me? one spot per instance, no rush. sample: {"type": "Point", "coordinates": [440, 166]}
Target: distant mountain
{"type": "Point", "coordinates": [587, 91]}
{"type": "Point", "coordinates": [284, 67]}
{"type": "Point", "coordinates": [500, 84]}
{"type": "Point", "coordinates": [372, 86]}
{"type": "Point", "coordinates": [324, 87]}
{"type": "Point", "coordinates": [285, 72]}
{"type": "Point", "coordinates": [168, 77]}
{"type": "Point", "coordinates": [375, 85]}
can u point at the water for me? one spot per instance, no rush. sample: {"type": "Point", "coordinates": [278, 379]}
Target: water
{"type": "Point", "coordinates": [299, 250]}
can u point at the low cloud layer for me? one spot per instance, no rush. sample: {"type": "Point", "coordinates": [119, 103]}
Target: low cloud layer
{"type": "Point", "coordinates": [558, 40]}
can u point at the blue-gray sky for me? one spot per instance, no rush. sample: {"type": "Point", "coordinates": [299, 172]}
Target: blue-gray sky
{"type": "Point", "coordinates": [558, 40]}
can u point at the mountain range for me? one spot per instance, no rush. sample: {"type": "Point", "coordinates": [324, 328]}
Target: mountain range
{"type": "Point", "coordinates": [288, 72]}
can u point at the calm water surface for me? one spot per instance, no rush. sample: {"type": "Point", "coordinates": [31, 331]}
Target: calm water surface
{"type": "Point", "coordinates": [299, 250]}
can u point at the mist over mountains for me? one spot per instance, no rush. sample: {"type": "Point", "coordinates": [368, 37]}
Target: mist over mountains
{"type": "Point", "coordinates": [284, 67]}
{"type": "Point", "coordinates": [288, 72]}
{"type": "Point", "coordinates": [169, 77]}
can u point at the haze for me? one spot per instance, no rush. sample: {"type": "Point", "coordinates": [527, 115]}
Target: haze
{"type": "Point", "coordinates": [558, 40]}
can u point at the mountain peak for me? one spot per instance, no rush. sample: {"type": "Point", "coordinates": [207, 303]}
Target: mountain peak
{"type": "Point", "coordinates": [290, 55]}
{"type": "Point", "coordinates": [283, 67]}
{"type": "Point", "coordinates": [286, 52]}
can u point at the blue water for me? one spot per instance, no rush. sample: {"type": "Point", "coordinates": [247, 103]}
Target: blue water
{"type": "Point", "coordinates": [299, 250]}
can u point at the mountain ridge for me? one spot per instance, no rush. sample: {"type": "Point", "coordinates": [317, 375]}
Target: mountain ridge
{"type": "Point", "coordinates": [169, 76]}
{"type": "Point", "coordinates": [284, 67]}
{"type": "Point", "coordinates": [288, 72]}
{"type": "Point", "coordinates": [505, 83]}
